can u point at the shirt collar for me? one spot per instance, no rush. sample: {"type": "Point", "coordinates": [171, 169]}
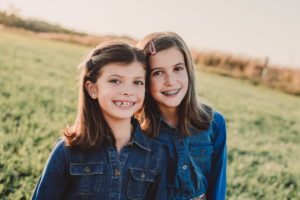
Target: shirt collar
{"type": "Point", "coordinates": [139, 138]}
{"type": "Point", "coordinates": [164, 124]}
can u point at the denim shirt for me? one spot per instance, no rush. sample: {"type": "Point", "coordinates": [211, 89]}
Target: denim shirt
{"type": "Point", "coordinates": [196, 163]}
{"type": "Point", "coordinates": [138, 171]}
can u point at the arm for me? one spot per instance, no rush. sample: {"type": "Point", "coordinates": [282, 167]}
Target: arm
{"type": "Point", "coordinates": [158, 190]}
{"type": "Point", "coordinates": [217, 180]}
{"type": "Point", "coordinates": [52, 182]}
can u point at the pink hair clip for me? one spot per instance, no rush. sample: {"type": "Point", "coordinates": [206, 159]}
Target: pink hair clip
{"type": "Point", "coordinates": [152, 48]}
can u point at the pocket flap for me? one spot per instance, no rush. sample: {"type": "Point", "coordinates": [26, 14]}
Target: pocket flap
{"type": "Point", "coordinates": [143, 175]}
{"type": "Point", "coordinates": [86, 168]}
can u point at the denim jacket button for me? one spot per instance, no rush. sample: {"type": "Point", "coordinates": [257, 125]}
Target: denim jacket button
{"type": "Point", "coordinates": [87, 169]}
{"type": "Point", "coordinates": [117, 172]}
{"type": "Point", "coordinates": [184, 167]}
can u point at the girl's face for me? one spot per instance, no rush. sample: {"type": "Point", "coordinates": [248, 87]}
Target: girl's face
{"type": "Point", "coordinates": [168, 78]}
{"type": "Point", "coordinates": [120, 90]}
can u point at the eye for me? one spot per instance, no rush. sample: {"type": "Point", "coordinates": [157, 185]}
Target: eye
{"type": "Point", "coordinates": [139, 83]}
{"type": "Point", "coordinates": [179, 68]}
{"type": "Point", "coordinates": [156, 73]}
{"type": "Point", "coordinates": [115, 81]}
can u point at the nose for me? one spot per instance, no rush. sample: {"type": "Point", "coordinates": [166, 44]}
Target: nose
{"type": "Point", "coordinates": [169, 79]}
{"type": "Point", "coordinates": [128, 90]}
{"type": "Point", "coordinates": [127, 93]}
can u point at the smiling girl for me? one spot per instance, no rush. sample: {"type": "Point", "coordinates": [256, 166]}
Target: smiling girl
{"type": "Point", "coordinates": [105, 155]}
{"type": "Point", "coordinates": [193, 134]}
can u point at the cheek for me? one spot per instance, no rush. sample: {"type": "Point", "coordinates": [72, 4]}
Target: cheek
{"type": "Point", "coordinates": [185, 79]}
{"type": "Point", "coordinates": [104, 92]}
{"type": "Point", "coordinates": [141, 93]}
{"type": "Point", "coordinates": [186, 86]}
{"type": "Point", "coordinates": [155, 93]}
{"type": "Point", "coordinates": [102, 103]}
{"type": "Point", "coordinates": [154, 84]}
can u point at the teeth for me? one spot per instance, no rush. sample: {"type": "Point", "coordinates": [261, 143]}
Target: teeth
{"type": "Point", "coordinates": [171, 92]}
{"type": "Point", "coordinates": [124, 104]}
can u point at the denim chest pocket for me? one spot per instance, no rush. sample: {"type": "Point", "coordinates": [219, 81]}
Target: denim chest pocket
{"type": "Point", "coordinates": [88, 176]}
{"type": "Point", "coordinates": [202, 154]}
{"type": "Point", "coordinates": [139, 181]}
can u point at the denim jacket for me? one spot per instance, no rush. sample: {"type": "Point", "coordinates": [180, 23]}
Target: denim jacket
{"type": "Point", "coordinates": [197, 163]}
{"type": "Point", "coordinates": [137, 172]}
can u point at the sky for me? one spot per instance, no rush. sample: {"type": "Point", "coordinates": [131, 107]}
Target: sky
{"type": "Point", "coordinates": [254, 28]}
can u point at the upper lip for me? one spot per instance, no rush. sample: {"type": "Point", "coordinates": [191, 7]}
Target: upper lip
{"type": "Point", "coordinates": [125, 100]}
{"type": "Point", "coordinates": [171, 90]}
{"type": "Point", "coordinates": [130, 101]}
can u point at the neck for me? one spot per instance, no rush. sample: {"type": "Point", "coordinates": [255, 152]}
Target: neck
{"type": "Point", "coordinates": [170, 116]}
{"type": "Point", "coordinates": [121, 129]}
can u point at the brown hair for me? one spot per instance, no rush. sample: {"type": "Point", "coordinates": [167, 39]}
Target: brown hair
{"type": "Point", "coordinates": [90, 128]}
{"type": "Point", "coordinates": [193, 114]}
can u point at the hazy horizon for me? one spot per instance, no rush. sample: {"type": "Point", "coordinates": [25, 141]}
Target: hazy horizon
{"type": "Point", "coordinates": [251, 28]}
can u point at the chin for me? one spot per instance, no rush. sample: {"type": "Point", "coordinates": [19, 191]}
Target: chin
{"type": "Point", "coordinates": [126, 115]}
{"type": "Point", "coordinates": [172, 104]}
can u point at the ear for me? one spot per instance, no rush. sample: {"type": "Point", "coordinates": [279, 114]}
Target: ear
{"type": "Point", "coordinates": [91, 89]}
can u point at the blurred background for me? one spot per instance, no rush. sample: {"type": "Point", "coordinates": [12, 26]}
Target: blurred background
{"type": "Point", "coordinates": [247, 60]}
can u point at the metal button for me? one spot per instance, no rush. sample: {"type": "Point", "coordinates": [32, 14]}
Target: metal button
{"type": "Point", "coordinates": [184, 167]}
{"type": "Point", "coordinates": [143, 175]}
{"type": "Point", "coordinates": [87, 169]}
{"type": "Point", "coordinates": [117, 172]}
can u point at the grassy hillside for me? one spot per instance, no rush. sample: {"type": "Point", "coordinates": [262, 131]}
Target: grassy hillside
{"type": "Point", "coordinates": [263, 137]}
{"type": "Point", "coordinates": [38, 98]}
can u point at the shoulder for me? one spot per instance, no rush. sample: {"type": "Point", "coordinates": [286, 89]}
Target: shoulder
{"type": "Point", "coordinates": [218, 124]}
{"type": "Point", "coordinates": [149, 143]}
{"type": "Point", "coordinates": [156, 147]}
{"type": "Point", "coordinates": [60, 144]}
{"type": "Point", "coordinates": [59, 149]}
{"type": "Point", "coordinates": [218, 118]}
{"type": "Point", "coordinates": [58, 156]}
{"type": "Point", "coordinates": [158, 153]}
{"type": "Point", "coordinates": [152, 144]}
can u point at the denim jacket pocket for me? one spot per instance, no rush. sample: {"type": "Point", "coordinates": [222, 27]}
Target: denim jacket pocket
{"type": "Point", "coordinates": [88, 176]}
{"type": "Point", "coordinates": [139, 180]}
{"type": "Point", "coordinates": [202, 154]}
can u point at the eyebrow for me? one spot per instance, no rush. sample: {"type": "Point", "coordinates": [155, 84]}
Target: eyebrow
{"type": "Point", "coordinates": [176, 65]}
{"type": "Point", "coordinates": [115, 75]}
{"type": "Point", "coordinates": [155, 69]}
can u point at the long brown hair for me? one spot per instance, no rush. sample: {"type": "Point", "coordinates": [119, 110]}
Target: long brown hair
{"type": "Point", "coordinates": [90, 128]}
{"type": "Point", "coordinates": [193, 114]}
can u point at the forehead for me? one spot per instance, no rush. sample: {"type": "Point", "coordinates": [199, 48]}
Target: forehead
{"type": "Point", "coordinates": [133, 69]}
{"type": "Point", "coordinates": [166, 58]}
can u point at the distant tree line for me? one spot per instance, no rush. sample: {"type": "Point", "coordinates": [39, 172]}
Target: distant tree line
{"type": "Point", "coordinates": [13, 20]}
{"type": "Point", "coordinates": [255, 70]}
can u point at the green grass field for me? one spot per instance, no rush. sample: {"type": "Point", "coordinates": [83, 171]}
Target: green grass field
{"type": "Point", "coordinates": [38, 98]}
